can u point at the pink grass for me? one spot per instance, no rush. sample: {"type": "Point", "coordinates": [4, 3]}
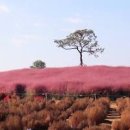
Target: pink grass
{"type": "Point", "coordinates": [68, 79]}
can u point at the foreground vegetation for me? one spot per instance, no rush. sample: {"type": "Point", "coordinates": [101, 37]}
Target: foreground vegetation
{"type": "Point", "coordinates": [67, 113]}
{"type": "Point", "coordinates": [37, 113]}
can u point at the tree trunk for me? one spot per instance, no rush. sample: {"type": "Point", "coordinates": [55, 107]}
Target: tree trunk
{"type": "Point", "coordinates": [81, 59]}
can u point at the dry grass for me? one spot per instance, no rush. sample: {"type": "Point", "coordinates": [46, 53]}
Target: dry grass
{"type": "Point", "coordinates": [39, 113]}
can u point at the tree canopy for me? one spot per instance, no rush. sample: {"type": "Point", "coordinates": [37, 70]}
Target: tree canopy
{"type": "Point", "coordinates": [82, 41]}
{"type": "Point", "coordinates": [38, 64]}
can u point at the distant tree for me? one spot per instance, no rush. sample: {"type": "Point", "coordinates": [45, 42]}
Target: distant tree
{"type": "Point", "coordinates": [82, 41]}
{"type": "Point", "coordinates": [38, 64]}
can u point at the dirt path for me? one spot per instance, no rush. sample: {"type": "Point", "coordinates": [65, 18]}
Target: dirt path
{"type": "Point", "coordinates": [112, 114]}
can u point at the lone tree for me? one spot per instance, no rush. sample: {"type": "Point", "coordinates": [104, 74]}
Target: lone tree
{"type": "Point", "coordinates": [82, 41]}
{"type": "Point", "coordinates": [38, 64]}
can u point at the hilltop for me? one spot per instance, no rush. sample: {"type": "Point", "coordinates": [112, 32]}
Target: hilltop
{"type": "Point", "coordinates": [67, 79]}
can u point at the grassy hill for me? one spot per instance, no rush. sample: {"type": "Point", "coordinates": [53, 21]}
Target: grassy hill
{"type": "Point", "coordinates": [67, 79]}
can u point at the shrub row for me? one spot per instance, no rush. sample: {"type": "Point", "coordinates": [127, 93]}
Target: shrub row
{"type": "Point", "coordinates": [37, 113]}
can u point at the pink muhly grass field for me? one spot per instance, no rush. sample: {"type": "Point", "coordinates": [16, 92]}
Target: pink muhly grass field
{"type": "Point", "coordinates": [67, 79]}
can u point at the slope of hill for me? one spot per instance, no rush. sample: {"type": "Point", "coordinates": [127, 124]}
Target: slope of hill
{"type": "Point", "coordinates": [67, 79]}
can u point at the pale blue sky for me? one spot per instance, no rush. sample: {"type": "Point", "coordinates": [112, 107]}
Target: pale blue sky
{"type": "Point", "coordinates": [29, 27]}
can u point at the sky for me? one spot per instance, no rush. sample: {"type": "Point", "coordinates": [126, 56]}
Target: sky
{"type": "Point", "coordinates": [28, 29]}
